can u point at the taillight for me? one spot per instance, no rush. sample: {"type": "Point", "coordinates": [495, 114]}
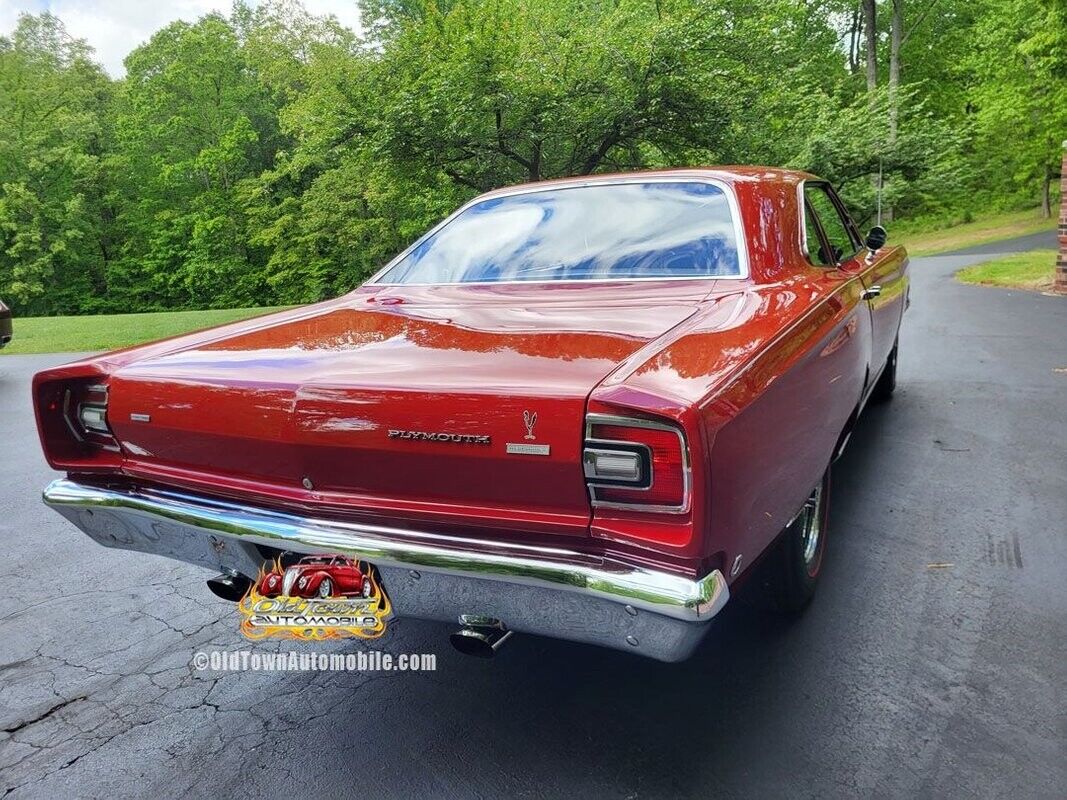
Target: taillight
{"type": "Point", "coordinates": [636, 463]}
{"type": "Point", "coordinates": [72, 418]}
{"type": "Point", "coordinates": [85, 409]}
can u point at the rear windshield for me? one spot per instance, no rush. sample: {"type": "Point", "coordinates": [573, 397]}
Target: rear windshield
{"type": "Point", "coordinates": [607, 232]}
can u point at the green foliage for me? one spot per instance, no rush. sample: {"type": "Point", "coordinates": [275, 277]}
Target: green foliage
{"type": "Point", "coordinates": [52, 229]}
{"type": "Point", "coordinates": [192, 120]}
{"type": "Point", "coordinates": [273, 156]}
{"type": "Point", "coordinates": [1020, 89]}
{"type": "Point", "coordinates": [923, 169]}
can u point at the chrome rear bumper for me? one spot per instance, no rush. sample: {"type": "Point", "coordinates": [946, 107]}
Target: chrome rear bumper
{"type": "Point", "coordinates": [548, 591]}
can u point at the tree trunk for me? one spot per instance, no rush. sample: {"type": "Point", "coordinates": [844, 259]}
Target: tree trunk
{"type": "Point", "coordinates": [896, 35]}
{"type": "Point", "coordinates": [535, 161]}
{"type": "Point", "coordinates": [855, 33]}
{"type": "Point", "coordinates": [895, 38]}
{"type": "Point", "coordinates": [870, 22]}
{"type": "Point", "coordinates": [870, 31]}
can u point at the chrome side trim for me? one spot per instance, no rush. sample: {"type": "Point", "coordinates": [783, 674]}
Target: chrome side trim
{"type": "Point", "coordinates": [638, 422]}
{"type": "Point", "coordinates": [138, 518]}
{"type": "Point", "coordinates": [744, 271]}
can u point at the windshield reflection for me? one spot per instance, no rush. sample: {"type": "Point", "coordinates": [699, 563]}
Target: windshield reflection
{"type": "Point", "coordinates": [609, 232]}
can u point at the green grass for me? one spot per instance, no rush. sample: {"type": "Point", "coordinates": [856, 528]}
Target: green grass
{"type": "Point", "coordinates": [112, 331]}
{"type": "Point", "coordinates": [1032, 270]}
{"type": "Point", "coordinates": [923, 240]}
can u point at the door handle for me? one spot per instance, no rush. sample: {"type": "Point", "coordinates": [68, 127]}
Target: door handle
{"type": "Point", "coordinates": [871, 293]}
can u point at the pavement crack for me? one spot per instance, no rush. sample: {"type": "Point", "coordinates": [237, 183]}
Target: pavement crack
{"type": "Point", "coordinates": [45, 715]}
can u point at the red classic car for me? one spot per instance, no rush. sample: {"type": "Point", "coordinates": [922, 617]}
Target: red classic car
{"type": "Point", "coordinates": [318, 576]}
{"type": "Point", "coordinates": [582, 408]}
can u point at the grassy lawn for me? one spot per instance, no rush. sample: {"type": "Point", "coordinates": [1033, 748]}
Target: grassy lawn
{"type": "Point", "coordinates": [111, 331]}
{"type": "Point", "coordinates": [922, 241]}
{"type": "Point", "coordinates": [1032, 270]}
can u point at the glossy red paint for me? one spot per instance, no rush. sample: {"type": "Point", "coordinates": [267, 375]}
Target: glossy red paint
{"type": "Point", "coordinates": [763, 374]}
{"type": "Point", "coordinates": [317, 576]}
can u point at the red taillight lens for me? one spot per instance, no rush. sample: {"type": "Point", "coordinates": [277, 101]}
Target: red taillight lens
{"type": "Point", "coordinates": [636, 463]}
{"type": "Point", "coordinates": [72, 418]}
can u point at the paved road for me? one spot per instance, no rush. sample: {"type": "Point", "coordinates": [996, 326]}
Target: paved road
{"type": "Point", "coordinates": [1042, 240]}
{"type": "Point", "coordinates": [902, 680]}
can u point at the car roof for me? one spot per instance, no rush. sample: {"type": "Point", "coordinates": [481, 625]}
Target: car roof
{"type": "Point", "coordinates": [725, 174]}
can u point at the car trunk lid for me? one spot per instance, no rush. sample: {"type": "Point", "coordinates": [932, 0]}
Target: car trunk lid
{"type": "Point", "coordinates": [454, 406]}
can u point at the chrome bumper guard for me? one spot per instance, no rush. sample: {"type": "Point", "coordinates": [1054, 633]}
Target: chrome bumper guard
{"type": "Point", "coordinates": [550, 591]}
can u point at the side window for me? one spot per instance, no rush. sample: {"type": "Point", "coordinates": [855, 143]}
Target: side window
{"type": "Point", "coordinates": [817, 202]}
{"type": "Point", "coordinates": [813, 239]}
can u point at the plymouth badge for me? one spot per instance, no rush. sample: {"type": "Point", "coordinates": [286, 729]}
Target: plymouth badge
{"type": "Point", "coordinates": [440, 436]}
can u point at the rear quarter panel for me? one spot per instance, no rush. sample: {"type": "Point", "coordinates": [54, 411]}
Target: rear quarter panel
{"type": "Point", "coordinates": [764, 380]}
{"type": "Point", "coordinates": [772, 432]}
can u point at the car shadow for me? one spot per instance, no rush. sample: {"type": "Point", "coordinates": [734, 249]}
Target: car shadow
{"type": "Point", "coordinates": [574, 719]}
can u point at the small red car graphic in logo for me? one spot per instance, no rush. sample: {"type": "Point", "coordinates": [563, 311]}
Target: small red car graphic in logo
{"type": "Point", "coordinates": [318, 576]}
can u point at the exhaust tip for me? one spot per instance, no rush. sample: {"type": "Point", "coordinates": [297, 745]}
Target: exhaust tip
{"type": "Point", "coordinates": [472, 643]}
{"type": "Point", "coordinates": [481, 637]}
{"type": "Point", "coordinates": [229, 587]}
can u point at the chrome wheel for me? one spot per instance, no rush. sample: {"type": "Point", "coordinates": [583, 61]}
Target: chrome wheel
{"type": "Point", "coordinates": [811, 518]}
{"type": "Point", "coordinates": [793, 572]}
{"type": "Point", "coordinates": [325, 588]}
{"type": "Point", "coordinates": [366, 587]}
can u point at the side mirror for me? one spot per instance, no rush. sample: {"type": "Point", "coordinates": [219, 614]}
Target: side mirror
{"type": "Point", "coordinates": [876, 238]}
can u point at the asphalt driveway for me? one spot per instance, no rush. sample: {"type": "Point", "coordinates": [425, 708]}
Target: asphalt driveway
{"type": "Point", "coordinates": [933, 662]}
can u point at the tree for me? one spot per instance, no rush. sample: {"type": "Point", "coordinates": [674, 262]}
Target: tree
{"type": "Point", "coordinates": [329, 211]}
{"type": "Point", "coordinates": [272, 155]}
{"type": "Point", "coordinates": [921, 169]}
{"type": "Point", "coordinates": [54, 238]}
{"type": "Point", "coordinates": [503, 91]}
{"type": "Point", "coordinates": [870, 38]}
{"type": "Point", "coordinates": [1021, 91]}
{"type": "Point", "coordinates": [192, 121]}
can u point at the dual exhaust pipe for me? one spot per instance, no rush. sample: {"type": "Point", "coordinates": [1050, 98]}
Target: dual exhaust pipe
{"type": "Point", "coordinates": [480, 636]}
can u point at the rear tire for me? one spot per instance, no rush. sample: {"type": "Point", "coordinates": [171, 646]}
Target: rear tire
{"type": "Point", "coordinates": [887, 381]}
{"type": "Point", "coordinates": [795, 567]}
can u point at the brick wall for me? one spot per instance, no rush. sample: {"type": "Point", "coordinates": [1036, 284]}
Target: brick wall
{"type": "Point", "coordinates": [1061, 262]}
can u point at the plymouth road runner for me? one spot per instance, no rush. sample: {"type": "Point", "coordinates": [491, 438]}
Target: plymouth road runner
{"type": "Point", "coordinates": [582, 408]}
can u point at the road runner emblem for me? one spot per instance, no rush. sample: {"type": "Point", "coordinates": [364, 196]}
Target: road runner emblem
{"type": "Point", "coordinates": [529, 419]}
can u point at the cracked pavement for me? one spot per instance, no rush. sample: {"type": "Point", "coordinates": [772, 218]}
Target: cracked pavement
{"type": "Point", "coordinates": [933, 662]}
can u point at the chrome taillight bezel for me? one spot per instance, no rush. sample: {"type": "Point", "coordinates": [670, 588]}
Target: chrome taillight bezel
{"type": "Point", "coordinates": [94, 397]}
{"type": "Point", "coordinates": [642, 454]}
{"type": "Point", "coordinates": [591, 443]}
